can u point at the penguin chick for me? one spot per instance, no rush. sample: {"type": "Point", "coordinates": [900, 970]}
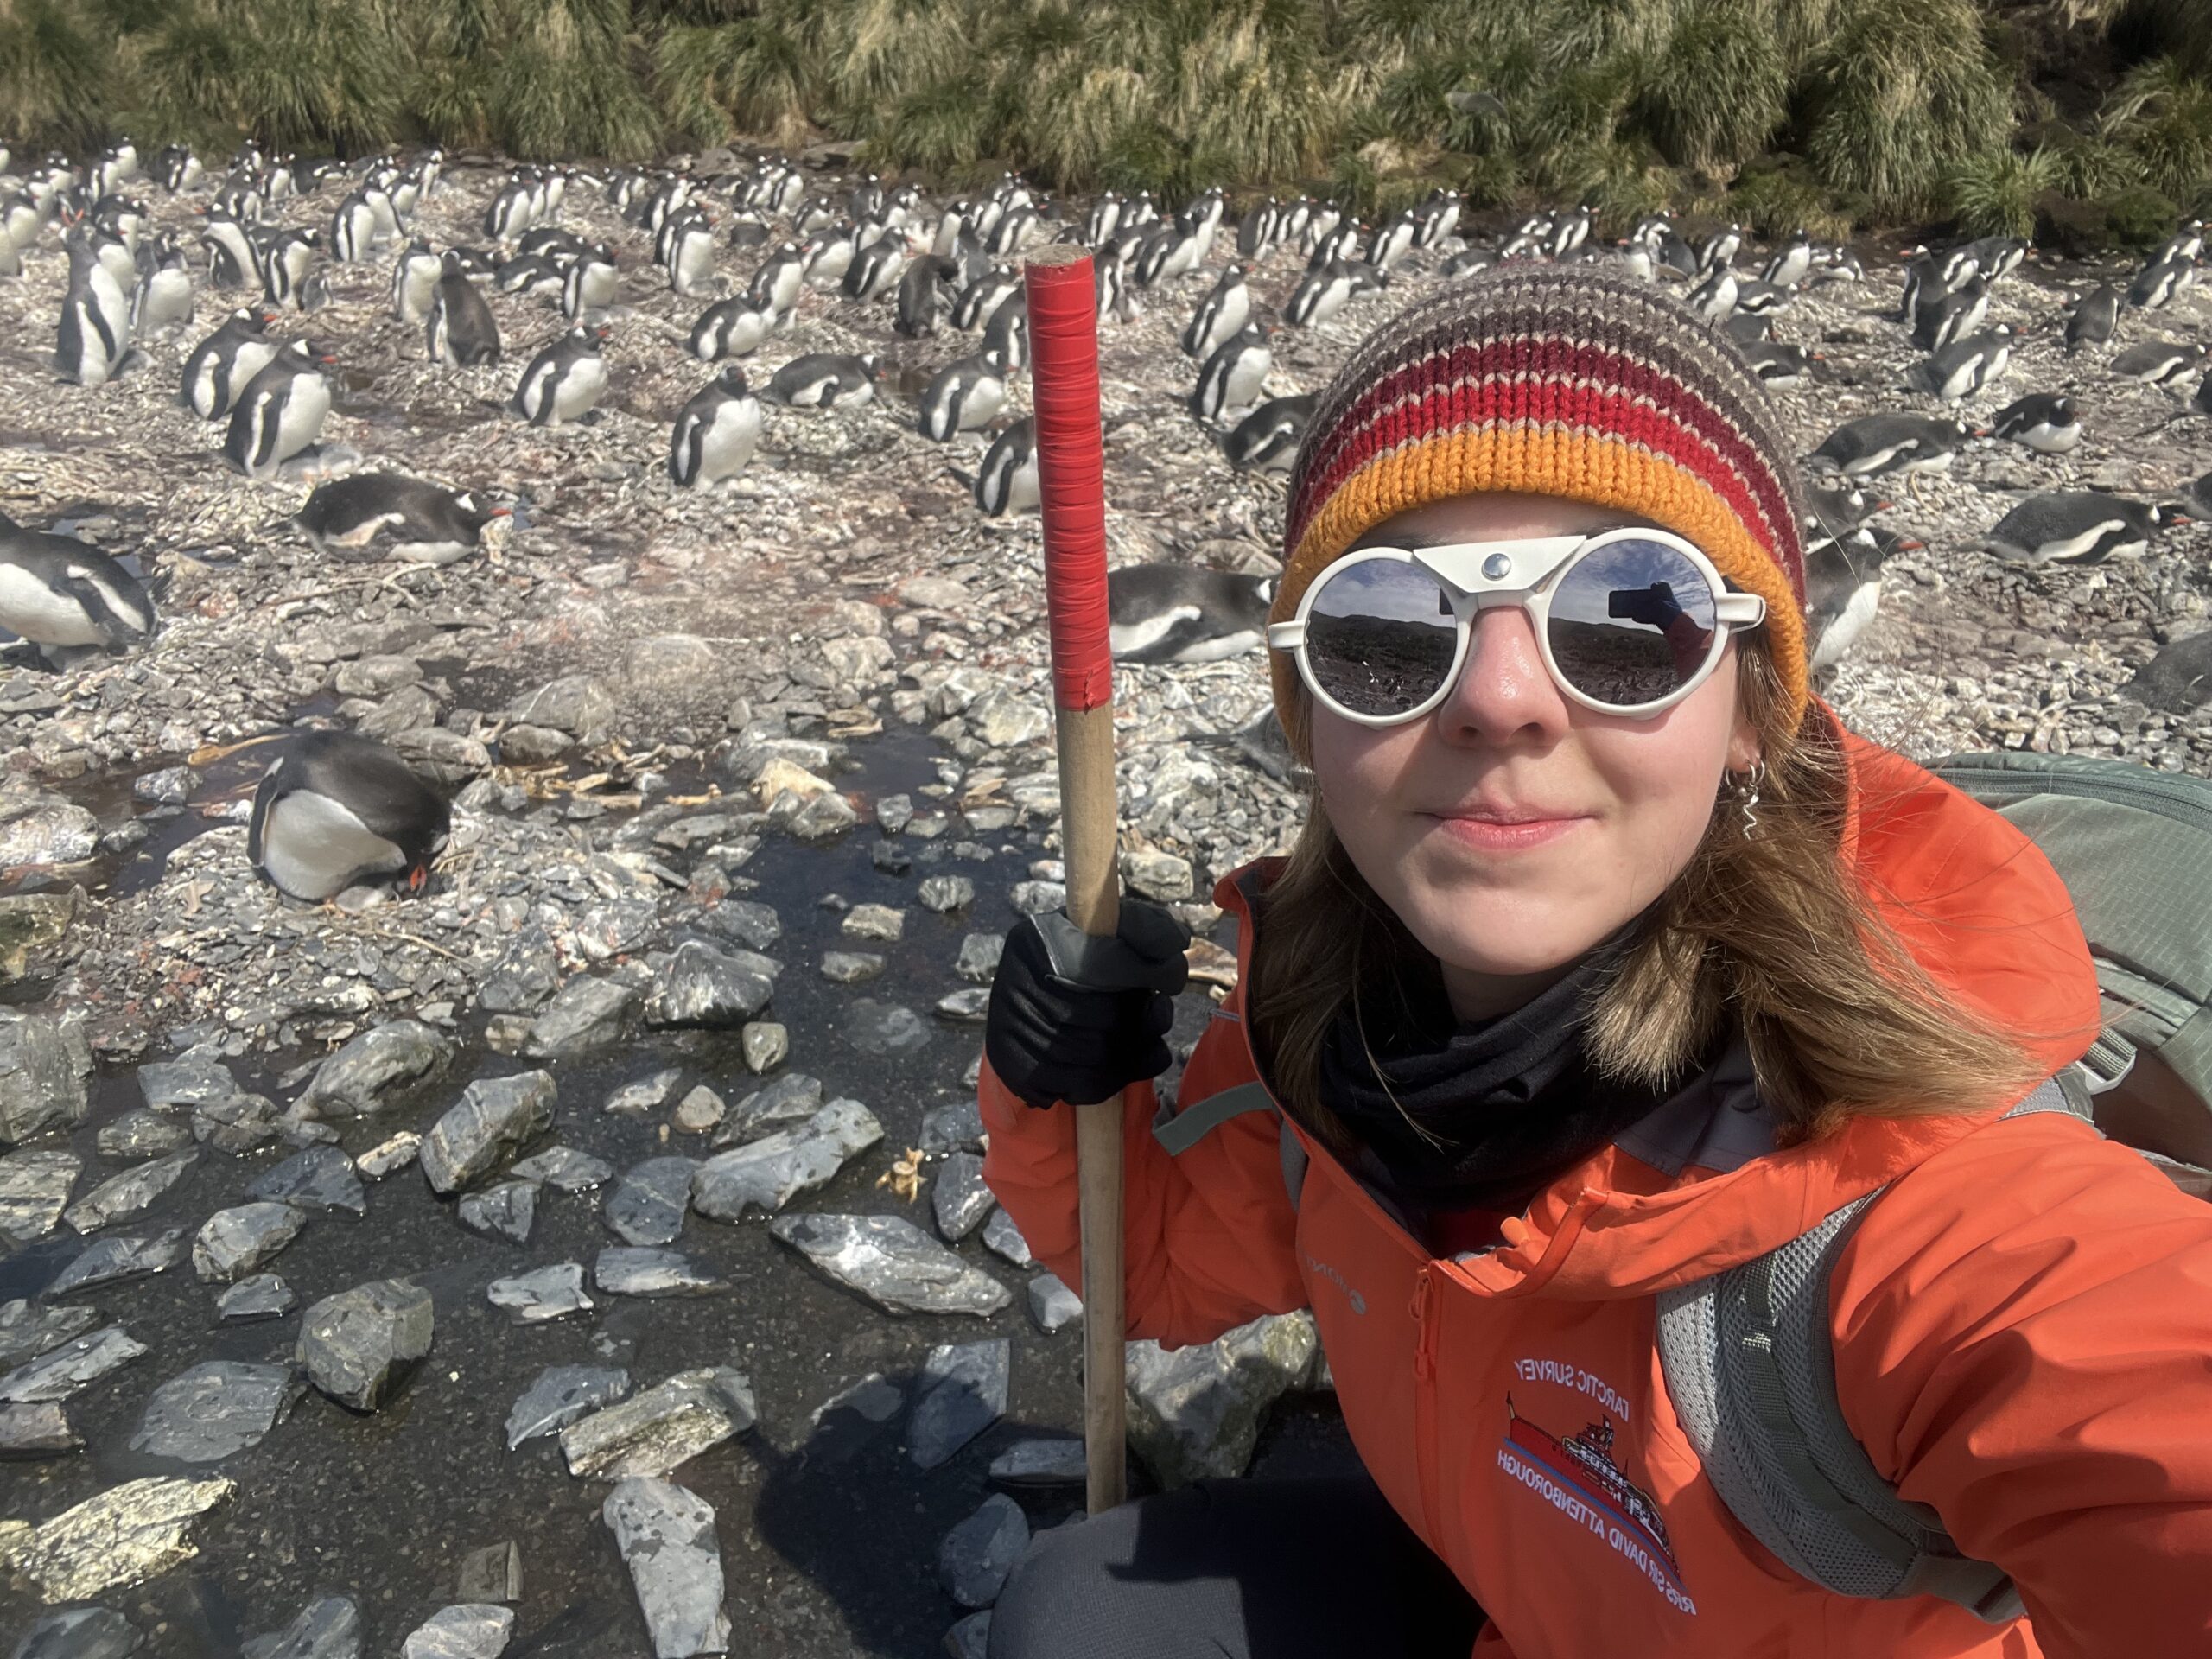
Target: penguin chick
{"type": "Point", "coordinates": [336, 809]}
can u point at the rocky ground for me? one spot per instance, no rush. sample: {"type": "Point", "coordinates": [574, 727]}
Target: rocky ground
{"type": "Point", "coordinates": [410, 1263]}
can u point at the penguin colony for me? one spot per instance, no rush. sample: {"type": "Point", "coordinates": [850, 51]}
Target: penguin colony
{"type": "Point", "coordinates": [273, 236]}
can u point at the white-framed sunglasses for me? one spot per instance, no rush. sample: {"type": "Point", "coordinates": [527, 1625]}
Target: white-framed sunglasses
{"type": "Point", "coordinates": [1629, 621]}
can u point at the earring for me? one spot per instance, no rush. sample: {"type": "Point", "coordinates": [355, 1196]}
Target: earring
{"type": "Point", "coordinates": [1746, 792]}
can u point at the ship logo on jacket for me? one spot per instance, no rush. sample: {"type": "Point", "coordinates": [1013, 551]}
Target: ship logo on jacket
{"type": "Point", "coordinates": [1577, 1476]}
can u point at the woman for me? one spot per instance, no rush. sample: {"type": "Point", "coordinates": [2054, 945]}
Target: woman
{"type": "Point", "coordinates": [1606, 961]}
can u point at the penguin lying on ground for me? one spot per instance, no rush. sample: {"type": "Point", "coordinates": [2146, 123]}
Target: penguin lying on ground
{"type": "Point", "coordinates": [62, 596]}
{"type": "Point", "coordinates": [389, 515]}
{"type": "Point", "coordinates": [1183, 614]}
{"type": "Point", "coordinates": [716, 433]}
{"type": "Point", "coordinates": [1007, 481]}
{"type": "Point", "coordinates": [2077, 527]}
{"type": "Point", "coordinates": [731, 328]}
{"type": "Point", "coordinates": [565, 381]}
{"type": "Point", "coordinates": [1874, 445]}
{"type": "Point", "coordinates": [2043, 420]}
{"type": "Point", "coordinates": [822, 379]}
{"type": "Point", "coordinates": [336, 810]}
{"type": "Point", "coordinates": [2178, 679]}
{"type": "Point", "coordinates": [1267, 439]}
{"type": "Point", "coordinates": [962, 396]}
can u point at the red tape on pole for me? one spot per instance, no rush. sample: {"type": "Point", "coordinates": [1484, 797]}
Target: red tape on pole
{"type": "Point", "coordinates": [1071, 478]}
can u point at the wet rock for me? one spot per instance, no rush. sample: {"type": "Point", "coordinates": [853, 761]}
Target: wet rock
{"type": "Point", "coordinates": [523, 745]}
{"type": "Point", "coordinates": [493, 1573]}
{"type": "Point", "coordinates": [236, 1123]}
{"type": "Point", "coordinates": [35, 1188]}
{"type": "Point", "coordinates": [768, 1173]}
{"type": "Point", "coordinates": [790, 1099]}
{"type": "Point", "coordinates": [1003, 1237]}
{"type": "Point", "coordinates": [586, 1014]}
{"type": "Point", "coordinates": [1041, 1464]}
{"type": "Point", "coordinates": [544, 1293]}
{"type": "Point", "coordinates": [885, 922]}
{"type": "Point", "coordinates": [963, 1392]}
{"type": "Point", "coordinates": [243, 1239]}
{"type": "Point", "coordinates": [646, 1095]}
{"type": "Point", "coordinates": [883, 1029]}
{"type": "Point", "coordinates": [507, 1211]}
{"type": "Point", "coordinates": [853, 1417]}
{"type": "Point", "coordinates": [81, 1633]}
{"type": "Point", "coordinates": [892, 1263]}
{"type": "Point", "coordinates": [108, 1260]}
{"type": "Point", "coordinates": [976, 1556]}
{"type": "Point", "coordinates": [666, 1536]}
{"type": "Point", "coordinates": [473, 1631]}
{"type": "Point", "coordinates": [264, 1296]}
{"type": "Point", "coordinates": [700, 1110]}
{"type": "Point", "coordinates": [31, 922]}
{"type": "Point", "coordinates": [360, 1077]}
{"type": "Point", "coordinates": [51, 831]}
{"type": "Point", "coordinates": [121, 1197]}
{"type": "Point", "coordinates": [320, 1177]}
{"type": "Point", "coordinates": [493, 1119]}
{"type": "Point", "coordinates": [576, 703]}
{"type": "Point", "coordinates": [780, 774]}
{"type": "Point", "coordinates": [765, 1043]}
{"type": "Point", "coordinates": [823, 818]}
{"type": "Point", "coordinates": [389, 1157]}
{"type": "Point", "coordinates": [118, 1538]}
{"type": "Point", "coordinates": [37, 1431]}
{"type": "Point", "coordinates": [744, 921]}
{"type": "Point", "coordinates": [359, 1346]}
{"type": "Point", "coordinates": [701, 985]}
{"type": "Point", "coordinates": [971, 1637]}
{"type": "Point", "coordinates": [968, 1006]}
{"type": "Point", "coordinates": [215, 1410]}
{"type": "Point", "coordinates": [957, 1127]}
{"type": "Point", "coordinates": [41, 1078]}
{"type": "Point", "coordinates": [1197, 1412]}
{"type": "Point", "coordinates": [29, 1329]}
{"type": "Point", "coordinates": [669, 1424]}
{"type": "Point", "coordinates": [1035, 897]}
{"type": "Point", "coordinates": [559, 1396]}
{"type": "Point", "coordinates": [329, 1628]}
{"type": "Point", "coordinates": [649, 1202]}
{"type": "Point", "coordinates": [642, 1270]}
{"type": "Point", "coordinates": [851, 967]}
{"type": "Point", "coordinates": [960, 1200]}
{"type": "Point", "coordinates": [137, 1133]}
{"type": "Point", "coordinates": [69, 1366]}
{"type": "Point", "coordinates": [946, 893]}
{"type": "Point", "coordinates": [192, 1080]}
{"type": "Point", "coordinates": [523, 979]}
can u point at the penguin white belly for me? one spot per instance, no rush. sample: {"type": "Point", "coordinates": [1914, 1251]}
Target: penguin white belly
{"type": "Point", "coordinates": [1219, 647]}
{"type": "Point", "coordinates": [1843, 633]}
{"type": "Point", "coordinates": [1246, 375]}
{"type": "Point", "coordinates": [728, 444]}
{"type": "Point", "coordinates": [1330, 300]}
{"type": "Point", "coordinates": [596, 287]}
{"type": "Point", "coordinates": [2049, 440]}
{"type": "Point", "coordinates": [354, 536]}
{"type": "Point", "coordinates": [1126, 639]}
{"type": "Point", "coordinates": [577, 392]}
{"type": "Point", "coordinates": [30, 608]}
{"type": "Point", "coordinates": [301, 422]}
{"type": "Point", "coordinates": [1873, 461]}
{"type": "Point", "coordinates": [984, 399]}
{"type": "Point", "coordinates": [314, 848]}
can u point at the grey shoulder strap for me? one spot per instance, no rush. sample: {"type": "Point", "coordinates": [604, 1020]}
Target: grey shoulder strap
{"type": "Point", "coordinates": [1179, 1131]}
{"type": "Point", "coordinates": [1749, 1365]}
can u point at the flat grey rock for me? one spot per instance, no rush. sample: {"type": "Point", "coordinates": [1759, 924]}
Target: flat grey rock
{"type": "Point", "coordinates": [108, 1260]}
{"type": "Point", "coordinates": [493, 1573]}
{"type": "Point", "coordinates": [559, 1396]}
{"type": "Point", "coordinates": [34, 1189]}
{"type": "Point", "coordinates": [507, 1211]}
{"type": "Point", "coordinates": [700, 1110]}
{"type": "Point", "coordinates": [957, 1127]}
{"type": "Point", "coordinates": [702, 985]}
{"type": "Point", "coordinates": [243, 1239]}
{"type": "Point", "coordinates": [963, 1392]}
{"type": "Point", "coordinates": [666, 1536]}
{"type": "Point", "coordinates": [1041, 1464]}
{"type": "Point", "coordinates": [118, 1537]}
{"type": "Point", "coordinates": [494, 1118]}
{"type": "Point", "coordinates": [320, 1178]}
{"type": "Point", "coordinates": [853, 1417]}
{"type": "Point", "coordinates": [543, 1293]}
{"type": "Point", "coordinates": [81, 1633]}
{"type": "Point", "coordinates": [362, 1077]}
{"type": "Point", "coordinates": [41, 1078]}
{"type": "Point", "coordinates": [966, 1008]}
{"type": "Point", "coordinates": [647, 1204]}
{"type": "Point", "coordinates": [667, 1425]}
{"type": "Point", "coordinates": [768, 1173]}
{"type": "Point", "coordinates": [851, 967]}
{"type": "Point", "coordinates": [645, 1095]}
{"type": "Point", "coordinates": [71, 1365]}
{"type": "Point", "coordinates": [585, 1015]}
{"type": "Point", "coordinates": [565, 1170]}
{"type": "Point", "coordinates": [236, 1123]}
{"type": "Point", "coordinates": [975, 1557]}
{"type": "Point", "coordinates": [389, 1157]}
{"type": "Point", "coordinates": [524, 978]}
{"type": "Point", "coordinates": [471, 1631]}
{"type": "Point", "coordinates": [1052, 1304]}
{"type": "Point", "coordinates": [1003, 1237]}
{"type": "Point", "coordinates": [792, 1098]}
{"type": "Point", "coordinates": [215, 1410]}
{"type": "Point", "coordinates": [960, 1200]}
{"type": "Point", "coordinates": [359, 1345]}
{"type": "Point", "coordinates": [946, 893]}
{"type": "Point", "coordinates": [264, 1296]}
{"type": "Point", "coordinates": [40, 1430]}
{"type": "Point", "coordinates": [1196, 1413]}
{"type": "Point", "coordinates": [29, 1329]}
{"type": "Point", "coordinates": [892, 1263]}
{"type": "Point", "coordinates": [885, 922]}
{"type": "Point", "coordinates": [329, 1628]}
{"type": "Point", "coordinates": [648, 1270]}
{"type": "Point", "coordinates": [191, 1080]}
{"type": "Point", "coordinates": [979, 956]}
{"type": "Point", "coordinates": [745, 921]}
{"type": "Point", "coordinates": [138, 1133]}
{"type": "Point", "coordinates": [882, 1028]}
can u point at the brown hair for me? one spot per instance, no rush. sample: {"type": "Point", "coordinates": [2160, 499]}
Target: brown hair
{"type": "Point", "coordinates": [1772, 932]}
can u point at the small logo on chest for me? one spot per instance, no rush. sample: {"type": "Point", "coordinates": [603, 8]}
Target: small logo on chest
{"type": "Point", "coordinates": [1321, 1269]}
{"type": "Point", "coordinates": [1577, 1476]}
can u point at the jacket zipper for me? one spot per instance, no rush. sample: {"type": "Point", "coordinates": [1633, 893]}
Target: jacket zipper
{"type": "Point", "coordinates": [1427, 1474]}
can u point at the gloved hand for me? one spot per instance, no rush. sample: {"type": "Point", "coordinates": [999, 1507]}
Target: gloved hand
{"type": "Point", "coordinates": [1073, 1018]}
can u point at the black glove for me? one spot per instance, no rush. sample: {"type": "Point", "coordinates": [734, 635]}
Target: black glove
{"type": "Point", "coordinates": [1073, 1018]}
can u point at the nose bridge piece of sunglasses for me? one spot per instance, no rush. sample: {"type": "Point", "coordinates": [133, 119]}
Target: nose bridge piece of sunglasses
{"type": "Point", "coordinates": [1495, 573]}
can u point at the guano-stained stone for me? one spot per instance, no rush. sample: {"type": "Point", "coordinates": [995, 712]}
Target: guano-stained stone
{"type": "Point", "coordinates": [40, 1430]}
{"type": "Point", "coordinates": [264, 1296]}
{"type": "Point", "coordinates": [768, 1173]}
{"type": "Point", "coordinates": [507, 1211]}
{"type": "Point", "coordinates": [41, 1078]}
{"type": "Point", "coordinates": [960, 1200]}
{"type": "Point", "coordinates": [666, 1425]}
{"type": "Point", "coordinates": [29, 1329]}
{"type": "Point", "coordinates": [666, 1536]}
{"type": "Point", "coordinates": [1196, 1413]}
{"type": "Point", "coordinates": [892, 1263]}
{"type": "Point", "coordinates": [586, 1013]}
{"type": "Point", "coordinates": [379, 1063]}
{"type": "Point", "coordinates": [544, 1293]}
{"type": "Point", "coordinates": [647, 1270]}
{"type": "Point", "coordinates": [116, 1538]}
{"type": "Point", "coordinates": [471, 1631]}
{"type": "Point", "coordinates": [34, 1189]}
{"type": "Point", "coordinates": [792, 1098]}
{"type": "Point", "coordinates": [701, 985]}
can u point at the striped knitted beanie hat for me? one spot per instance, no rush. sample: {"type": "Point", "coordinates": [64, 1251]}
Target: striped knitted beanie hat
{"type": "Point", "coordinates": [1553, 380]}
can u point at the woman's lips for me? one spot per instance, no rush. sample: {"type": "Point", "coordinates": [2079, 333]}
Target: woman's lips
{"type": "Point", "coordinates": [1505, 835]}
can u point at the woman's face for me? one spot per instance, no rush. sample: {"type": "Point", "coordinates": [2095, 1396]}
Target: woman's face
{"type": "Point", "coordinates": [1607, 810]}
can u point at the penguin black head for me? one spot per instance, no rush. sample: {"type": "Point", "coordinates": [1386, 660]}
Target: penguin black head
{"type": "Point", "coordinates": [732, 381]}
{"type": "Point", "coordinates": [868, 362]}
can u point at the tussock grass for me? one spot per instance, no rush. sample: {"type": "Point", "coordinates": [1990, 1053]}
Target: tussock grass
{"type": "Point", "coordinates": [54, 72]}
{"type": "Point", "coordinates": [1995, 194]}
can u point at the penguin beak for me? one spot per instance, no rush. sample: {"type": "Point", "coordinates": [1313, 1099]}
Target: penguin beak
{"type": "Point", "coordinates": [418, 878]}
{"type": "Point", "coordinates": [1908, 544]}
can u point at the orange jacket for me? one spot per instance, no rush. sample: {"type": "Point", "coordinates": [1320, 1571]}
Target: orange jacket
{"type": "Point", "coordinates": [2023, 1323]}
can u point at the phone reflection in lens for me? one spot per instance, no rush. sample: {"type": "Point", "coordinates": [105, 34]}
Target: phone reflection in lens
{"type": "Point", "coordinates": [1381, 636]}
{"type": "Point", "coordinates": [1632, 623]}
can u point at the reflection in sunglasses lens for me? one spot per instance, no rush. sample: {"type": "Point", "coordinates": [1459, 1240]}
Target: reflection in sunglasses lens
{"type": "Point", "coordinates": [1381, 637]}
{"type": "Point", "coordinates": [1631, 623]}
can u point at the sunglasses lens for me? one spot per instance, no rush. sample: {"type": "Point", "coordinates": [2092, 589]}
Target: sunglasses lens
{"type": "Point", "coordinates": [1632, 623]}
{"type": "Point", "coordinates": [1381, 636]}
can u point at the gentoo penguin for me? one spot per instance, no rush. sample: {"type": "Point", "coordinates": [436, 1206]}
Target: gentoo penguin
{"type": "Point", "coordinates": [776, 285]}
{"type": "Point", "coordinates": [2159, 362]}
{"type": "Point", "coordinates": [1469, 260]}
{"type": "Point", "coordinates": [1875, 445]}
{"type": "Point", "coordinates": [1843, 587]}
{"type": "Point", "coordinates": [1267, 439]}
{"type": "Point", "coordinates": [922, 289]}
{"type": "Point", "coordinates": [1791, 261]}
{"type": "Point", "coordinates": [221, 364]}
{"type": "Point", "coordinates": [691, 257]}
{"type": "Point", "coordinates": [828, 252]}
{"type": "Point", "coordinates": [1007, 481]}
{"type": "Point", "coordinates": [392, 516]}
{"type": "Point", "coordinates": [564, 381]}
{"type": "Point", "coordinates": [285, 269]}
{"type": "Point", "coordinates": [1437, 217]}
{"type": "Point", "coordinates": [353, 230]}
{"type": "Point", "coordinates": [62, 595]}
{"type": "Point", "coordinates": [824, 379]}
{"type": "Point", "coordinates": [980, 300]}
{"type": "Point", "coordinates": [1832, 509]}
{"type": "Point", "coordinates": [1957, 371]}
{"type": "Point", "coordinates": [591, 283]}
{"type": "Point", "coordinates": [1231, 377]}
{"type": "Point", "coordinates": [163, 301]}
{"type": "Point", "coordinates": [1182, 613]}
{"type": "Point", "coordinates": [550, 242]}
{"type": "Point", "coordinates": [1997, 256]}
{"type": "Point", "coordinates": [1006, 336]}
{"type": "Point", "coordinates": [460, 329]}
{"type": "Point", "coordinates": [1937, 321]}
{"type": "Point", "coordinates": [536, 276]}
{"type": "Point", "coordinates": [1715, 299]}
{"type": "Point", "coordinates": [1760, 298]}
{"type": "Point", "coordinates": [2043, 420]}
{"type": "Point", "coordinates": [2092, 319]}
{"type": "Point", "coordinates": [962, 396]}
{"type": "Point", "coordinates": [730, 328]}
{"type": "Point", "coordinates": [1719, 250]}
{"type": "Point", "coordinates": [2077, 527]}
{"type": "Point", "coordinates": [2160, 281]}
{"type": "Point", "coordinates": [1256, 231]}
{"type": "Point", "coordinates": [281, 410]}
{"type": "Point", "coordinates": [231, 262]}
{"type": "Point", "coordinates": [1322, 293]}
{"type": "Point", "coordinates": [1392, 241]}
{"type": "Point", "coordinates": [1220, 314]}
{"type": "Point", "coordinates": [875, 268]}
{"type": "Point", "coordinates": [716, 433]}
{"type": "Point", "coordinates": [2178, 679]}
{"type": "Point", "coordinates": [1779, 364]}
{"type": "Point", "coordinates": [338, 810]}
{"type": "Point", "coordinates": [413, 281]}
{"type": "Point", "coordinates": [92, 336]}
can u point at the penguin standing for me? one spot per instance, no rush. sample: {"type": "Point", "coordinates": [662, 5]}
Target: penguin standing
{"type": "Point", "coordinates": [92, 336]}
{"type": "Point", "coordinates": [163, 301]}
{"type": "Point", "coordinates": [1231, 377]}
{"type": "Point", "coordinates": [1965, 366]}
{"type": "Point", "coordinates": [590, 284]}
{"type": "Point", "coordinates": [353, 230]}
{"type": "Point", "coordinates": [62, 595]}
{"type": "Point", "coordinates": [564, 381]}
{"type": "Point", "coordinates": [2043, 420]}
{"type": "Point", "coordinates": [1007, 335]}
{"type": "Point", "coordinates": [1183, 613]}
{"type": "Point", "coordinates": [1791, 263]}
{"type": "Point", "coordinates": [1715, 299]}
{"type": "Point", "coordinates": [962, 396]}
{"type": "Point", "coordinates": [922, 289]}
{"type": "Point", "coordinates": [691, 256]}
{"type": "Point", "coordinates": [1267, 439]}
{"type": "Point", "coordinates": [1391, 242]}
{"type": "Point", "coordinates": [221, 366]}
{"type": "Point", "coordinates": [281, 411]}
{"type": "Point", "coordinates": [777, 284]}
{"type": "Point", "coordinates": [823, 380]}
{"type": "Point", "coordinates": [389, 515]}
{"type": "Point", "coordinates": [1007, 481]}
{"type": "Point", "coordinates": [336, 810]}
{"type": "Point", "coordinates": [1220, 314]}
{"type": "Point", "coordinates": [231, 262]}
{"type": "Point", "coordinates": [875, 268]}
{"type": "Point", "coordinates": [460, 328]}
{"type": "Point", "coordinates": [716, 433]}
{"type": "Point", "coordinates": [980, 300]}
{"type": "Point", "coordinates": [1843, 589]}
{"type": "Point", "coordinates": [730, 328]}
{"type": "Point", "coordinates": [2093, 318]}
{"type": "Point", "coordinates": [2076, 527]}
{"type": "Point", "coordinates": [285, 268]}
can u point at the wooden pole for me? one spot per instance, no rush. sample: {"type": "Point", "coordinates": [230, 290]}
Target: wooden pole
{"type": "Point", "coordinates": [1070, 475]}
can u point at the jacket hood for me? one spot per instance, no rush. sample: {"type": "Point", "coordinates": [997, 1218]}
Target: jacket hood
{"type": "Point", "coordinates": [1979, 907]}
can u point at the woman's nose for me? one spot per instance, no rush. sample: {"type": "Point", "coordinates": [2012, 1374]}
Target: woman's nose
{"type": "Point", "coordinates": [1503, 688]}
